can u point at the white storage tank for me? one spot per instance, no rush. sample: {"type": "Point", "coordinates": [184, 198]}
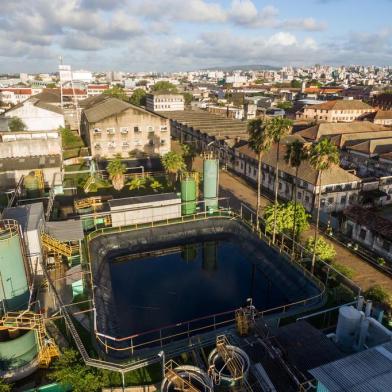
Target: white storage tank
{"type": "Point", "coordinates": [348, 327]}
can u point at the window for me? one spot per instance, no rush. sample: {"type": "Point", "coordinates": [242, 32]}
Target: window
{"type": "Point", "coordinates": [163, 128]}
{"type": "Point", "coordinates": [331, 200]}
{"type": "Point", "coordinates": [97, 146]}
{"type": "Point", "coordinates": [150, 128]}
{"type": "Point", "coordinates": [124, 130]}
{"type": "Point", "coordinates": [343, 200]}
{"type": "Point", "coordinates": [137, 142]}
{"type": "Point", "coordinates": [307, 199]}
{"type": "Point", "coordinates": [299, 195]}
{"type": "Point", "coordinates": [163, 142]}
{"type": "Point", "coordinates": [111, 145]}
{"type": "Point", "coordinates": [280, 186]}
{"type": "Point", "coordinates": [151, 142]}
{"type": "Point", "coordinates": [151, 134]}
{"type": "Point", "coordinates": [362, 234]}
{"type": "Point", "coordinates": [97, 131]}
{"type": "Point", "coordinates": [110, 131]}
{"type": "Point", "coordinates": [125, 144]}
{"type": "Point", "coordinates": [136, 129]}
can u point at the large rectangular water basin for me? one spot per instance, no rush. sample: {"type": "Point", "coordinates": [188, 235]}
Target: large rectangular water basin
{"type": "Point", "coordinates": [158, 278]}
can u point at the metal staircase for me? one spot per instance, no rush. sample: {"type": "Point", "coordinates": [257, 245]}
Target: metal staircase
{"type": "Point", "coordinates": [231, 361]}
{"type": "Point", "coordinates": [52, 244]}
{"type": "Point", "coordinates": [242, 322]}
{"type": "Point", "coordinates": [179, 383]}
{"type": "Point", "coordinates": [30, 321]}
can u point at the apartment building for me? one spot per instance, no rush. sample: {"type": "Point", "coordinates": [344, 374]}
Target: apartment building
{"type": "Point", "coordinates": [369, 229]}
{"type": "Point", "coordinates": [111, 126]}
{"type": "Point", "coordinates": [336, 111]}
{"type": "Point", "coordinates": [15, 95]}
{"type": "Point", "coordinates": [96, 89]}
{"type": "Point", "coordinates": [339, 188]}
{"type": "Point", "coordinates": [165, 102]}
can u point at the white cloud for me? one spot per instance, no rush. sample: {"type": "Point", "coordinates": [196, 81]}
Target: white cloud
{"type": "Point", "coordinates": [245, 13]}
{"type": "Point", "coordinates": [308, 24]}
{"type": "Point", "coordinates": [282, 39]}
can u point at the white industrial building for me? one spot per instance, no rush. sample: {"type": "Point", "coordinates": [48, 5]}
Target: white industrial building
{"type": "Point", "coordinates": [38, 115]}
{"type": "Point", "coordinates": [145, 209]}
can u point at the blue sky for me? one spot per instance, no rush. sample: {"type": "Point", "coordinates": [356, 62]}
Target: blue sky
{"type": "Point", "coordinates": [170, 35]}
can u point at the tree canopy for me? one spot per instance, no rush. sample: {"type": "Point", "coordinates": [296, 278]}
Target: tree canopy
{"type": "Point", "coordinates": [164, 86]}
{"type": "Point", "coordinates": [323, 155]}
{"type": "Point", "coordinates": [116, 92]}
{"type": "Point", "coordinates": [138, 97]}
{"type": "Point", "coordinates": [116, 170]}
{"type": "Point", "coordinates": [380, 295]}
{"type": "Point", "coordinates": [174, 164]}
{"type": "Point", "coordinates": [16, 124]}
{"type": "Point", "coordinates": [295, 83]}
{"type": "Point", "coordinates": [324, 250]}
{"type": "Point", "coordinates": [259, 139]}
{"type": "Point", "coordinates": [70, 371]}
{"type": "Point", "coordinates": [285, 214]}
{"type": "Point", "coordinates": [188, 97]}
{"type": "Point", "coordinates": [285, 105]}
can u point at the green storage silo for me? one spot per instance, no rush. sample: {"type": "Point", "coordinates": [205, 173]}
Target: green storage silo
{"type": "Point", "coordinates": [188, 196]}
{"type": "Point", "coordinates": [14, 270]}
{"type": "Point", "coordinates": [18, 351]}
{"type": "Point", "coordinates": [210, 183]}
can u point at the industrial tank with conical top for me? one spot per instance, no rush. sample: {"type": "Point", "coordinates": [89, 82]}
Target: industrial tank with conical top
{"type": "Point", "coordinates": [14, 270]}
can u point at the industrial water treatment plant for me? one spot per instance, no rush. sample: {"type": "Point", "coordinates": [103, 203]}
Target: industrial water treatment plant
{"type": "Point", "coordinates": [175, 279]}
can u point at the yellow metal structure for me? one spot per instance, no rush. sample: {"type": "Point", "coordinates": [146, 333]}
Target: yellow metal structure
{"type": "Point", "coordinates": [52, 244]}
{"type": "Point", "coordinates": [242, 322]}
{"type": "Point", "coordinates": [88, 202]}
{"type": "Point", "coordinates": [231, 361]}
{"type": "Point", "coordinates": [27, 321]}
{"type": "Point", "coordinates": [179, 383]}
{"type": "Point", "coordinates": [89, 182]}
{"type": "Point", "coordinates": [40, 177]}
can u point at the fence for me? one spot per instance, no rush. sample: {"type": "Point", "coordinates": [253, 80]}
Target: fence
{"type": "Point", "coordinates": [186, 329]}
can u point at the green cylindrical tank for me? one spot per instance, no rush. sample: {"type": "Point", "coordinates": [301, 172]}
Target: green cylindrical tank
{"type": "Point", "coordinates": [19, 351]}
{"type": "Point", "coordinates": [14, 288]}
{"type": "Point", "coordinates": [210, 183]}
{"type": "Point", "coordinates": [31, 184]}
{"type": "Point", "coordinates": [188, 196]}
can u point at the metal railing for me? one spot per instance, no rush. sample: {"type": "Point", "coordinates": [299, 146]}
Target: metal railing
{"type": "Point", "coordinates": [212, 322]}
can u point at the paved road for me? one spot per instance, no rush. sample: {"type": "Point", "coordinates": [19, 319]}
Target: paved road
{"type": "Point", "coordinates": [239, 191]}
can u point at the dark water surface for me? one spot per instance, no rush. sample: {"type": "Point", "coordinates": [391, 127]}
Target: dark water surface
{"type": "Point", "coordinates": [194, 281]}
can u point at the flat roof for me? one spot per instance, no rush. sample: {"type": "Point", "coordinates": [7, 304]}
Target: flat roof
{"type": "Point", "coordinates": [64, 231]}
{"type": "Point", "coordinates": [366, 371]}
{"type": "Point", "coordinates": [214, 125]}
{"type": "Point", "coordinates": [28, 215]}
{"type": "Point", "coordinates": [143, 199]}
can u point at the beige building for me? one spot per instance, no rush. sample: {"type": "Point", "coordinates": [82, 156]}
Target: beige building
{"type": "Point", "coordinates": [336, 111]}
{"type": "Point", "coordinates": [339, 188]}
{"type": "Point", "coordinates": [383, 117]}
{"type": "Point", "coordinates": [111, 126]}
{"type": "Point", "coordinates": [165, 102]}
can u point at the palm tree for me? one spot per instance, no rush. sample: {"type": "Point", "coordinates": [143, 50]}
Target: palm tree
{"type": "Point", "coordinates": [189, 153]}
{"type": "Point", "coordinates": [259, 142]}
{"type": "Point", "coordinates": [117, 170]}
{"type": "Point", "coordinates": [277, 128]}
{"type": "Point", "coordinates": [296, 153]}
{"type": "Point", "coordinates": [137, 183]}
{"type": "Point", "coordinates": [322, 156]}
{"type": "Point", "coordinates": [174, 164]}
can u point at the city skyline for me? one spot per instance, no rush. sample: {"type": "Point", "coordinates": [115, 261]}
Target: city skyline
{"type": "Point", "coordinates": [173, 35]}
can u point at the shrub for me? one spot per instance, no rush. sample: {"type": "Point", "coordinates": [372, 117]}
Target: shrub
{"type": "Point", "coordinates": [324, 250]}
{"type": "Point", "coordinates": [344, 270]}
{"type": "Point", "coordinates": [380, 295]}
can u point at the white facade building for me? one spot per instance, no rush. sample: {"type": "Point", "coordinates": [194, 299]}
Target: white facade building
{"type": "Point", "coordinates": [37, 115]}
{"type": "Point", "coordinates": [157, 102]}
